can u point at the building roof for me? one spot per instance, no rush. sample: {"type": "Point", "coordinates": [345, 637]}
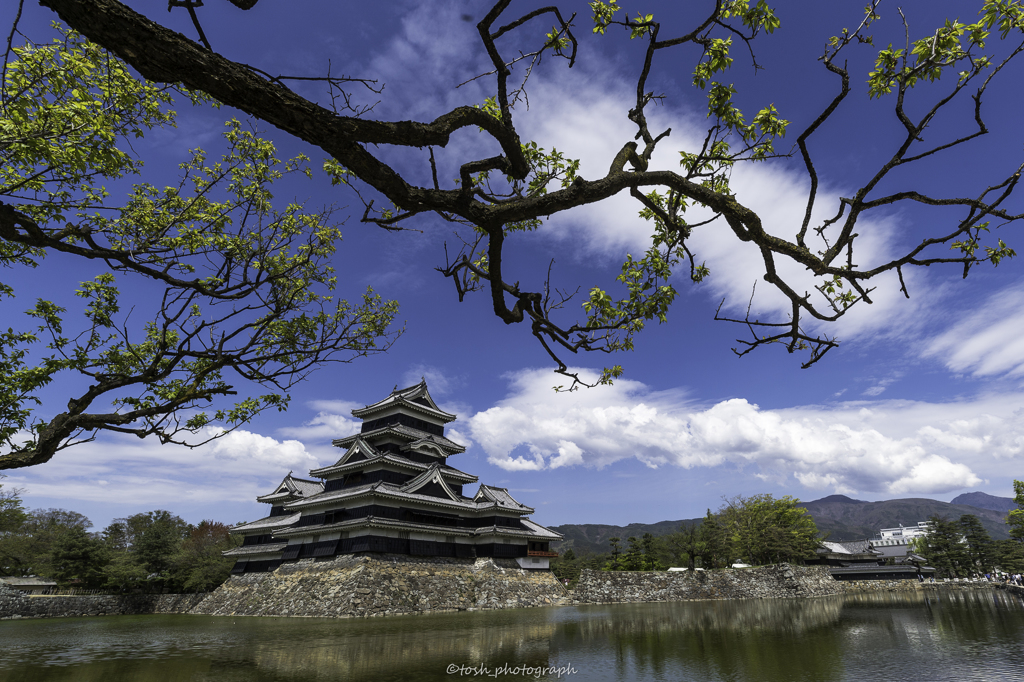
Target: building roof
{"type": "Point", "coordinates": [900, 568]}
{"type": "Point", "coordinates": [530, 530]}
{"type": "Point", "coordinates": [416, 398]}
{"type": "Point", "coordinates": [384, 489]}
{"type": "Point", "coordinates": [541, 531]}
{"type": "Point", "coordinates": [292, 487]}
{"type": "Point", "coordinates": [854, 547]}
{"type": "Point", "coordinates": [344, 464]}
{"type": "Point", "coordinates": [269, 548]}
{"type": "Point", "coordinates": [500, 498]}
{"type": "Point", "coordinates": [358, 452]}
{"type": "Point", "coordinates": [268, 523]}
{"type": "Point", "coordinates": [403, 431]}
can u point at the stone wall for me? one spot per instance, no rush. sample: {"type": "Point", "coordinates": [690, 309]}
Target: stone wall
{"type": "Point", "coordinates": [15, 604]}
{"type": "Point", "coordinates": [763, 582]}
{"type": "Point", "coordinates": [380, 585]}
{"type": "Point", "coordinates": [1012, 589]}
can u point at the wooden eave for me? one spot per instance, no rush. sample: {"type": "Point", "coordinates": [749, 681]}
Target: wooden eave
{"type": "Point", "coordinates": [398, 461]}
{"type": "Point", "coordinates": [385, 490]}
{"type": "Point", "coordinates": [359, 445]}
{"type": "Point", "coordinates": [404, 397]}
{"type": "Point", "coordinates": [404, 433]}
{"type": "Point", "coordinates": [378, 522]}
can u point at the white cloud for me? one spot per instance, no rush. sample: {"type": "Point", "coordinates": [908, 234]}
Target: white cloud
{"type": "Point", "coordinates": [438, 382]}
{"type": "Point", "coordinates": [987, 342]}
{"type": "Point", "coordinates": [592, 126]}
{"type": "Point", "coordinates": [236, 467]}
{"type": "Point", "coordinates": [894, 447]}
{"type": "Point", "coordinates": [333, 420]}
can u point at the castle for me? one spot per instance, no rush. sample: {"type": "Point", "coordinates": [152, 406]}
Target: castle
{"type": "Point", "coordinates": [392, 491]}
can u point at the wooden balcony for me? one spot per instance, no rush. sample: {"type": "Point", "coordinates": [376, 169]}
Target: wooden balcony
{"type": "Point", "coordinates": [547, 554]}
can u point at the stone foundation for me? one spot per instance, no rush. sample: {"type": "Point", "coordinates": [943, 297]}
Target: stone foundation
{"type": "Point", "coordinates": [1012, 589]}
{"type": "Point", "coordinates": [764, 582]}
{"type": "Point", "coordinates": [15, 604]}
{"type": "Point", "coordinates": [348, 586]}
{"type": "Point", "coordinates": [381, 585]}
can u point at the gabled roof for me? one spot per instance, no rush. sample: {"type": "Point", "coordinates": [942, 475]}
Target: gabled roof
{"type": "Point", "coordinates": [380, 489]}
{"type": "Point", "coordinates": [541, 531]}
{"type": "Point", "coordinates": [266, 524]}
{"type": "Point", "coordinates": [291, 488]}
{"type": "Point", "coordinates": [357, 448]}
{"type": "Point", "coordinates": [343, 467]}
{"type": "Point", "coordinates": [499, 497]}
{"type": "Point", "coordinates": [273, 548]}
{"type": "Point", "coordinates": [416, 398]}
{"type": "Point", "coordinates": [854, 547]}
{"type": "Point", "coordinates": [431, 475]}
{"type": "Point", "coordinates": [402, 431]}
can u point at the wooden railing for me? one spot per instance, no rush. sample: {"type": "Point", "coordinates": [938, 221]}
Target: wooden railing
{"type": "Point", "coordinates": [547, 554]}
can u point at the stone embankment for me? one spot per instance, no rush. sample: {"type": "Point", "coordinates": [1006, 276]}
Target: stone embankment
{"type": "Point", "coordinates": [349, 586]}
{"type": "Point", "coordinates": [1012, 589]}
{"type": "Point", "coordinates": [764, 582]}
{"type": "Point", "coordinates": [14, 604]}
{"type": "Point", "coordinates": [380, 585]}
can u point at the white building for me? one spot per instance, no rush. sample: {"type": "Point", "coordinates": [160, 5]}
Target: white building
{"type": "Point", "coordinates": [893, 543]}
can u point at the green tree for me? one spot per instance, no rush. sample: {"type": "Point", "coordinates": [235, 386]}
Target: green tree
{"type": "Point", "coordinates": [124, 574]}
{"type": "Point", "coordinates": [688, 547]}
{"type": "Point", "coordinates": [78, 559]}
{"type": "Point", "coordinates": [712, 536]}
{"type": "Point", "coordinates": [979, 547]}
{"type": "Point", "coordinates": [1010, 555]}
{"type": "Point", "coordinates": [198, 565]}
{"type": "Point", "coordinates": [945, 549]}
{"type": "Point", "coordinates": [41, 531]}
{"type": "Point", "coordinates": [1015, 518]}
{"type": "Point", "coordinates": [569, 565]}
{"type": "Point", "coordinates": [503, 195]}
{"type": "Point", "coordinates": [159, 542]}
{"type": "Point", "coordinates": [12, 511]}
{"type": "Point", "coordinates": [247, 292]}
{"type": "Point", "coordinates": [762, 529]}
{"type": "Point", "coordinates": [641, 554]}
{"type": "Point", "coordinates": [616, 561]}
{"type": "Point", "coordinates": [12, 518]}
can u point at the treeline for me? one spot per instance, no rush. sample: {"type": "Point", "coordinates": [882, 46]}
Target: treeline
{"type": "Point", "coordinates": [962, 548]}
{"type": "Point", "coordinates": [753, 530]}
{"type": "Point", "coordinates": [151, 551]}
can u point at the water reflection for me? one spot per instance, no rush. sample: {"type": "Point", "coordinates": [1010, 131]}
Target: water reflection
{"type": "Point", "coordinates": [917, 635]}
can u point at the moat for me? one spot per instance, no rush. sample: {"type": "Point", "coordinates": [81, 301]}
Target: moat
{"type": "Point", "coordinates": [908, 636]}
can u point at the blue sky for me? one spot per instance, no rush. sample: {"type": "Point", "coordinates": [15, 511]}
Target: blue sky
{"type": "Point", "coordinates": [923, 399]}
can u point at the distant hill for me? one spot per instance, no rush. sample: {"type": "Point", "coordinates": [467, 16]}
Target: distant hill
{"type": "Point", "coordinates": [592, 538]}
{"type": "Point", "coordinates": [843, 518]}
{"type": "Point", "coordinates": [846, 519]}
{"type": "Point", "coordinates": [985, 501]}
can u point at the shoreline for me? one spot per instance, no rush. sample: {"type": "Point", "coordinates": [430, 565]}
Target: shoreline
{"type": "Point", "coordinates": [379, 586]}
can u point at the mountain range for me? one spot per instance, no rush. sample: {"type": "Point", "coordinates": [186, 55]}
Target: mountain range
{"type": "Point", "coordinates": [839, 517]}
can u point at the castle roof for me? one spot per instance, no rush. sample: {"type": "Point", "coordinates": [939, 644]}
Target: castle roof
{"type": "Point", "coordinates": [269, 523]}
{"type": "Point", "coordinates": [292, 487]}
{"type": "Point", "coordinates": [415, 398]}
{"type": "Point", "coordinates": [531, 530]}
{"type": "Point", "coordinates": [361, 455]}
{"type": "Point", "coordinates": [415, 437]}
{"type": "Point", "coordinates": [391, 491]}
{"type": "Point", "coordinates": [270, 548]}
{"type": "Point", "coordinates": [498, 497]}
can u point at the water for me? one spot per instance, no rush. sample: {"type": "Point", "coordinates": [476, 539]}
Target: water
{"type": "Point", "coordinates": [913, 636]}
